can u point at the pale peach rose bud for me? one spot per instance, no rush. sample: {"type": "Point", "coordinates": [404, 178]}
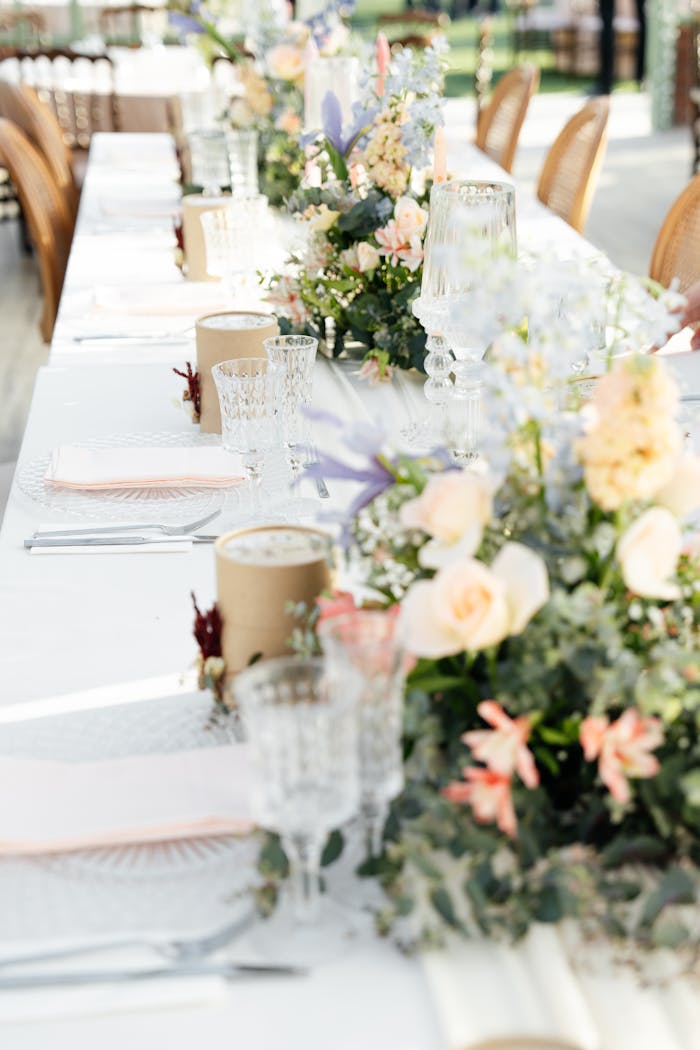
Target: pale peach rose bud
{"type": "Point", "coordinates": [368, 258]}
{"type": "Point", "coordinates": [648, 554]}
{"type": "Point", "coordinates": [453, 508]}
{"type": "Point", "coordinates": [525, 574]}
{"type": "Point", "coordinates": [285, 62]}
{"type": "Point", "coordinates": [682, 493]}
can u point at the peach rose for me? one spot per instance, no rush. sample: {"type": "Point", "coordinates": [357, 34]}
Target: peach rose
{"type": "Point", "coordinates": [648, 554]}
{"type": "Point", "coordinates": [468, 606]}
{"type": "Point", "coordinates": [285, 63]}
{"type": "Point", "coordinates": [411, 219]}
{"type": "Point", "coordinates": [453, 509]}
{"type": "Point", "coordinates": [368, 258]}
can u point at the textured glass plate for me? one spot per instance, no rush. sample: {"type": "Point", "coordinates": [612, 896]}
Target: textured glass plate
{"type": "Point", "coordinates": [171, 506]}
{"type": "Point", "coordinates": [188, 884]}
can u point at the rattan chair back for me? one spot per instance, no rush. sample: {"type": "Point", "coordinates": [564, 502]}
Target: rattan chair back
{"type": "Point", "coordinates": [501, 119]}
{"type": "Point", "coordinates": [45, 211]}
{"type": "Point", "coordinates": [23, 107]}
{"type": "Point", "coordinates": [572, 165]}
{"type": "Point", "coordinates": [677, 249]}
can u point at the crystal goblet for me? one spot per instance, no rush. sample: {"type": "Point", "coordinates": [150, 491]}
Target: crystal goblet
{"type": "Point", "coordinates": [249, 399]}
{"type": "Point", "coordinates": [242, 156]}
{"type": "Point", "coordinates": [208, 160]}
{"type": "Point", "coordinates": [236, 239]}
{"type": "Point", "coordinates": [368, 641]}
{"type": "Point", "coordinates": [300, 720]}
{"type": "Point", "coordinates": [295, 356]}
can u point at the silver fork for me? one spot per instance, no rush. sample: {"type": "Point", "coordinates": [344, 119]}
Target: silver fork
{"type": "Point", "coordinates": [107, 530]}
{"type": "Point", "coordinates": [321, 486]}
{"type": "Point", "coordinates": [173, 949]}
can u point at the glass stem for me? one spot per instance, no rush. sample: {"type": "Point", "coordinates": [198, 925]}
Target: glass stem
{"type": "Point", "coordinates": [374, 816]}
{"type": "Point", "coordinates": [304, 855]}
{"type": "Point", "coordinates": [253, 469]}
{"type": "Point", "coordinates": [465, 410]}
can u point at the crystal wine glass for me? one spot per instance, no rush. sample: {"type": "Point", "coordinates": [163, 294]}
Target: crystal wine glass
{"type": "Point", "coordinates": [368, 641]}
{"type": "Point", "coordinates": [208, 160]}
{"type": "Point", "coordinates": [300, 720]}
{"type": "Point", "coordinates": [249, 397]}
{"type": "Point", "coordinates": [236, 239]}
{"type": "Point", "coordinates": [476, 221]}
{"type": "Point", "coordinates": [295, 356]}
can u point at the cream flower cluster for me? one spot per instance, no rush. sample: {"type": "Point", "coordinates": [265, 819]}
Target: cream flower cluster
{"type": "Point", "coordinates": [385, 155]}
{"type": "Point", "coordinates": [632, 443]}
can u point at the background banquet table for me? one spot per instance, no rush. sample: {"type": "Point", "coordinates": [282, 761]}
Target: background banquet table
{"type": "Point", "coordinates": [80, 622]}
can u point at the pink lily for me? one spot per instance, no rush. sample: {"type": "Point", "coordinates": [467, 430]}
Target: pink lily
{"type": "Point", "coordinates": [622, 749]}
{"type": "Point", "coordinates": [503, 748]}
{"type": "Point", "coordinates": [488, 793]}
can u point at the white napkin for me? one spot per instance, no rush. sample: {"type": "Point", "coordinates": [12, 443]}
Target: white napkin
{"type": "Point", "coordinates": [485, 991]}
{"type": "Point", "coordinates": [140, 468]}
{"type": "Point", "coordinates": [179, 297]}
{"type": "Point", "coordinates": [48, 807]}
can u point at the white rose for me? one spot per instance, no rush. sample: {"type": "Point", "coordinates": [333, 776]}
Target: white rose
{"type": "Point", "coordinates": [452, 509]}
{"type": "Point", "coordinates": [349, 257]}
{"type": "Point", "coordinates": [648, 554]}
{"type": "Point", "coordinates": [681, 494]}
{"type": "Point", "coordinates": [411, 219]}
{"type": "Point", "coordinates": [368, 258]}
{"type": "Point", "coordinates": [468, 606]}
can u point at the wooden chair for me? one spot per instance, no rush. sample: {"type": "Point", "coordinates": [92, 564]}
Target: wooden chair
{"type": "Point", "coordinates": [500, 121]}
{"type": "Point", "coordinates": [414, 27]}
{"type": "Point", "coordinates": [25, 28]}
{"type": "Point", "coordinates": [78, 88]}
{"type": "Point", "coordinates": [571, 167]}
{"type": "Point", "coordinates": [46, 213]}
{"type": "Point", "coordinates": [23, 107]}
{"type": "Point", "coordinates": [127, 24]}
{"type": "Point", "coordinates": [677, 249]}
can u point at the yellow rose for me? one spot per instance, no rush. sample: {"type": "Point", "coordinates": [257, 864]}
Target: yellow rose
{"type": "Point", "coordinates": [648, 554]}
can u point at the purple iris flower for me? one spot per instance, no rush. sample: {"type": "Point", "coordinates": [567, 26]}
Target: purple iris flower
{"type": "Point", "coordinates": [333, 123]}
{"type": "Point", "coordinates": [184, 23]}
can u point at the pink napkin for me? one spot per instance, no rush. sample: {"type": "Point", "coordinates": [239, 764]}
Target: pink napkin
{"type": "Point", "coordinates": [48, 807]}
{"type": "Point", "coordinates": [140, 468]}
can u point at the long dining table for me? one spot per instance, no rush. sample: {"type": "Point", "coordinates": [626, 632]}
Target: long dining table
{"type": "Point", "coordinates": [78, 630]}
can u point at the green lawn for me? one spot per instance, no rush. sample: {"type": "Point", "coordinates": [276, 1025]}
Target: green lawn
{"type": "Point", "coordinates": [463, 39]}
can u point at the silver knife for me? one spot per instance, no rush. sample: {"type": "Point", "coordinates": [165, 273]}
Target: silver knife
{"type": "Point", "coordinates": [111, 541]}
{"type": "Point", "coordinates": [228, 971]}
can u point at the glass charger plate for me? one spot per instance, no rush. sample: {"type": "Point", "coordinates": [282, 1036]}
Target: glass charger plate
{"type": "Point", "coordinates": [185, 884]}
{"type": "Point", "coordinates": [172, 506]}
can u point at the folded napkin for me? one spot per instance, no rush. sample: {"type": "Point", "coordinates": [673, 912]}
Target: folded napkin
{"type": "Point", "coordinates": [176, 298]}
{"type": "Point", "coordinates": [48, 807]}
{"type": "Point", "coordinates": [510, 998]}
{"type": "Point", "coordinates": [143, 468]}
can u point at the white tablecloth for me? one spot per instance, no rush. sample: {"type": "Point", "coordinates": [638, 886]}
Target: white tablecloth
{"type": "Point", "coordinates": [68, 623]}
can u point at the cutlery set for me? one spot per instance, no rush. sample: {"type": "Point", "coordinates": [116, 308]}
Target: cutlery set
{"type": "Point", "coordinates": [188, 958]}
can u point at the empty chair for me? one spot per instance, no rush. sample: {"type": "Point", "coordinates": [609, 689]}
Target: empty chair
{"type": "Point", "coordinates": [23, 107]}
{"type": "Point", "coordinates": [414, 27]}
{"type": "Point", "coordinates": [21, 28]}
{"type": "Point", "coordinates": [78, 88]}
{"type": "Point", "coordinates": [129, 23]}
{"type": "Point", "coordinates": [571, 167]}
{"type": "Point", "coordinates": [501, 119]}
{"type": "Point", "coordinates": [677, 249]}
{"type": "Point", "coordinates": [47, 217]}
